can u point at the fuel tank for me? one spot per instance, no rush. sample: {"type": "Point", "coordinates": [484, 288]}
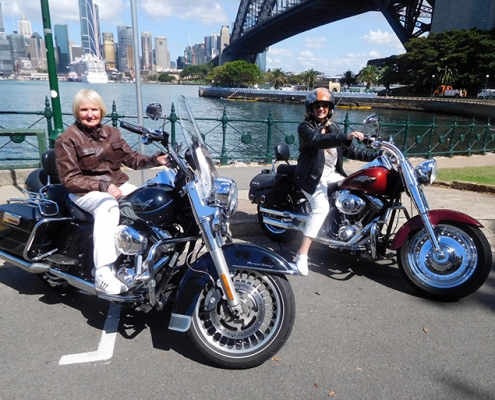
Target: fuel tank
{"type": "Point", "coordinates": [373, 181]}
{"type": "Point", "coordinates": [154, 204]}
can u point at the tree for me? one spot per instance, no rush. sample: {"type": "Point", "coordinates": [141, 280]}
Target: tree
{"type": "Point", "coordinates": [458, 58]}
{"type": "Point", "coordinates": [348, 78]}
{"type": "Point", "coordinates": [235, 74]}
{"type": "Point", "coordinates": [369, 75]}
{"type": "Point", "coordinates": [310, 77]}
{"type": "Point", "coordinates": [196, 72]}
{"type": "Point", "coordinates": [277, 78]}
{"type": "Point", "coordinates": [164, 77]}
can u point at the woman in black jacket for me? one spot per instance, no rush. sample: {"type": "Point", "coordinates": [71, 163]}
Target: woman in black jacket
{"type": "Point", "coordinates": [322, 147]}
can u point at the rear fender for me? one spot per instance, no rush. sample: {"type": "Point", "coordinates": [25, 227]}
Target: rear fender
{"type": "Point", "coordinates": [436, 217]}
{"type": "Point", "coordinates": [245, 256]}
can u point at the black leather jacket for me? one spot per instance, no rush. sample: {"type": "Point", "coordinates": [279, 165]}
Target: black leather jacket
{"type": "Point", "coordinates": [312, 145]}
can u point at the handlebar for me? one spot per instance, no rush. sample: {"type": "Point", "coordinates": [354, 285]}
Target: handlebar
{"type": "Point", "coordinates": [145, 132]}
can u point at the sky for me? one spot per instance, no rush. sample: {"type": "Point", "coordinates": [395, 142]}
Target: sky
{"type": "Point", "coordinates": [332, 49]}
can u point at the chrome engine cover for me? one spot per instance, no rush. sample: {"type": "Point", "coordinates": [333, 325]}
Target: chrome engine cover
{"type": "Point", "coordinates": [348, 203]}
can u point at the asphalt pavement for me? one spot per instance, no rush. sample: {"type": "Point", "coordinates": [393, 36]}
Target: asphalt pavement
{"type": "Point", "coordinates": [360, 330]}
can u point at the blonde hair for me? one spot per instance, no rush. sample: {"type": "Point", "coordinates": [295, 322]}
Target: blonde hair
{"type": "Point", "coordinates": [91, 97]}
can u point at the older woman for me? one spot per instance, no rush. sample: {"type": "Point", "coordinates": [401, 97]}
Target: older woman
{"type": "Point", "coordinates": [89, 159]}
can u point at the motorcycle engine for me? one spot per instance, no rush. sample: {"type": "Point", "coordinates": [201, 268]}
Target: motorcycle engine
{"type": "Point", "coordinates": [349, 204]}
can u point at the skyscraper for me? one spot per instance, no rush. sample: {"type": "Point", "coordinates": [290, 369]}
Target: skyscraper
{"type": "Point", "coordinates": [2, 23]}
{"type": "Point", "coordinates": [125, 47]}
{"type": "Point", "coordinates": [224, 38]}
{"type": "Point", "coordinates": [62, 47]}
{"type": "Point", "coordinates": [24, 27]}
{"type": "Point", "coordinates": [147, 49]}
{"type": "Point", "coordinates": [109, 51]}
{"type": "Point", "coordinates": [162, 56]}
{"type": "Point", "coordinates": [90, 36]}
{"type": "Point", "coordinates": [37, 51]}
{"type": "Point", "coordinates": [211, 46]}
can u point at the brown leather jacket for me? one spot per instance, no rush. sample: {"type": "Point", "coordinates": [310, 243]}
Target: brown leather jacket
{"type": "Point", "coordinates": [91, 160]}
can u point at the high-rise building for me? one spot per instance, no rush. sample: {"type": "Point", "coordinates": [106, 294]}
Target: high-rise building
{"type": "Point", "coordinates": [90, 35]}
{"type": "Point", "coordinates": [37, 51]}
{"type": "Point", "coordinates": [62, 47]}
{"type": "Point", "coordinates": [125, 47]}
{"type": "Point", "coordinates": [6, 65]}
{"type": "Point", "coordinates": [24, 28]}
{"type": "Point", "coordinates": [17, 48]}
{"type": "Point", "coordinates": [162, 55]}
{"type": "Point", "coordinates": [224, 39]}
{"type": "Point", "coordinates": [199, 54]}
{"type": "Point", "coordinates": [75, 52]}
{"type": "Point", "coordinates": [109, 51]}
{"type": "Point", "coordinates": [211, 46]}
{"type": "Point", "coordinates": [2, 23]}
{"type": "Point", "coordinates": [147, 49]}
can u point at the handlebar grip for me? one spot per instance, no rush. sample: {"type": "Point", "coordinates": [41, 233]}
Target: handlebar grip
{"type": "Point", "coordinates": [133, 128]}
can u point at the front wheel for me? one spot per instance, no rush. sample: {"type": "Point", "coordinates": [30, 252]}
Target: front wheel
{"type": "Point", "coordinates": [465, 267]}
{"type": "Point", "coordinates": [250, 339]}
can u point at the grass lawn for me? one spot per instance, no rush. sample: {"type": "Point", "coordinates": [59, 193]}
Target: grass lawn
{"type": "Point", "coordinates": [482, 175]}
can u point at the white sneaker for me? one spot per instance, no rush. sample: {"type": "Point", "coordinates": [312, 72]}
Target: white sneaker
{"type": "Point", "coordinates": [106, 282]}
{"type": "Point", "coordinates": [302, 264]}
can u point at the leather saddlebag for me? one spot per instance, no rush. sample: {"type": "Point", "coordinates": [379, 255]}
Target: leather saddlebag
{"type": "Point", "coordinates": [268, 189]}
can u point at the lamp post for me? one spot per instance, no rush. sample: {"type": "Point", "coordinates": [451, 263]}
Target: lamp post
{"type": "Point", "coordinates": [432, 80]}
{"type": "Point", "coordinates": [486, 86]}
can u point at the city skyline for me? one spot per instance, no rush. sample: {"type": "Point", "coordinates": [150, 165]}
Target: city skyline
{"type": "Point", "coordinates": [187, 22]}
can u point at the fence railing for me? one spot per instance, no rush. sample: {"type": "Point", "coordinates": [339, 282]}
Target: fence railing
{"type": "Point", "coordinates": [235, 139]}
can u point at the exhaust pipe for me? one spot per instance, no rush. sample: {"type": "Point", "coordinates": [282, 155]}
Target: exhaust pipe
{"type": "Point", "coordinates": [33, 268]}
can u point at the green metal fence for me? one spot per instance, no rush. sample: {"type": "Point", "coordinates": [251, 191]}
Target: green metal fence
{"type": "Point", "coordinates": [231, 139]}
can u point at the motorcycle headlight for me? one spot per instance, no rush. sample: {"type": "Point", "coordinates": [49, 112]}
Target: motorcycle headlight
{"type": "Point", "coordinates": [426, 171]}
{"type": "Point", "coordinates": [226, 195]}
{"type": "Point", "coordinates": [129, 241]}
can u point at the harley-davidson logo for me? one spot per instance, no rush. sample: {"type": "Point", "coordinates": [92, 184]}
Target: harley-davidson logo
{"type": "Point", "coordinates": [143, 204]}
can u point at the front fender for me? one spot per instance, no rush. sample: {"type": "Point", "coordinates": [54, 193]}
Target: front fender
{"type": "Point", "coordinates": [237, 255]}
{"type": "Point", "coordinates": [436, 217]}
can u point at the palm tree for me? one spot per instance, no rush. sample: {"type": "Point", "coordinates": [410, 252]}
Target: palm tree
{"type": "Point", "coordinates": [369, 75]}
{"type": "Point", "coordinates": [278, 78]}
{"type": "Point", "coordinates": [348, 78]}
{"type": "Point", "coordinates": [310, 77]}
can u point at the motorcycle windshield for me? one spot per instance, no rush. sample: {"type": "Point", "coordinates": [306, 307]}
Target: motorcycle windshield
{"type": "Point", "coordinates": [196, 153]}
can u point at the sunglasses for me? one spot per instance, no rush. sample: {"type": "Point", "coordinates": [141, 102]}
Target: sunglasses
{"type": "Point", "coordinates": [318, 105]}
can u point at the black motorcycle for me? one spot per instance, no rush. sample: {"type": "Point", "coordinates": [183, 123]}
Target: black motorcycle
{"type": "Point", "coordinates": [234, 300]}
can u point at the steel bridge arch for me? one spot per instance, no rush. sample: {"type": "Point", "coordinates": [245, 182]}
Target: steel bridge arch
{"type": "Point", "coordinates": [262, 23]}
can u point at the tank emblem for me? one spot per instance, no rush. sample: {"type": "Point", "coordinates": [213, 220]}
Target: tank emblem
{"type": "Point", "coordinates": [143, 204]}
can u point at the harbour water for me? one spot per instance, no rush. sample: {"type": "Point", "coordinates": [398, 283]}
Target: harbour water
{"type": "Point", "coordinates": [245, 140]}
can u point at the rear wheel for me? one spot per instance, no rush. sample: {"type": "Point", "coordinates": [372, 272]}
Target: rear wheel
{"type": "Point", "coordinates": [250, 339]}
{"type": "Point", "coordinates": [465, 267]}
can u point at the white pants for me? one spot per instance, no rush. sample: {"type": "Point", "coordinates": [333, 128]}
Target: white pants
{"type": "Point", "coordinates": [320, 205]}
{"type": "Point", "coordinates": [105, 211]}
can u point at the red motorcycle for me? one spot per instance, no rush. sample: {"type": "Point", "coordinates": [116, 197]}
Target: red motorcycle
{"type": "Point", "coordinates": [441, 253]}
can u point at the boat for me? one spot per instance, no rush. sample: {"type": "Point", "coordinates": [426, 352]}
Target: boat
{"type": "Point", "coordinates": [354, 107]}
{"type": "Point", "coordinates": [72, 77]}
{"type": "Point", "coordinates": [89, 68]}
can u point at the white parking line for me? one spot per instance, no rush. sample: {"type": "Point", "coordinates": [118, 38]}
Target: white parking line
{"type": "Point", "coordinates": [107, 342]}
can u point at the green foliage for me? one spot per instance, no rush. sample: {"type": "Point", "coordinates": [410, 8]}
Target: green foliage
{"type": "Point", "coordinates": [370, 75]}
{"type": "Point", "coordinates": [461, 58]}
{"type": "Point", "coordinates": [196, 72]}
{"type": "Point", "coordinates": [277, 77]}
{"type": "Point", "coordinates": [310, 77]}
{"type": "Point", "coordinates": [348, 78]}
{"type": "Point", "coordinates": [235, 74]}
{"type": "Point", "coordinates": [164, 77]}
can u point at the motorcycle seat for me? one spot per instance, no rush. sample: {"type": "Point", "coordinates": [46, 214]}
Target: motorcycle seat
{"type": "Point", "coordinates": [286, 169]}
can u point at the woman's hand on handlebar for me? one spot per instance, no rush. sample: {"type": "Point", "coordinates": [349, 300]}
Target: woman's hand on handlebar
{"type": "Point", "coordinates": [163, 159]}
{"type": "Point", "coordinates": [355, 135]}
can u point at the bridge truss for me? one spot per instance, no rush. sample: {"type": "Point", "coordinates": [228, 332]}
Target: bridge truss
{"type": "Point", "coordinates": [262, 23]}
